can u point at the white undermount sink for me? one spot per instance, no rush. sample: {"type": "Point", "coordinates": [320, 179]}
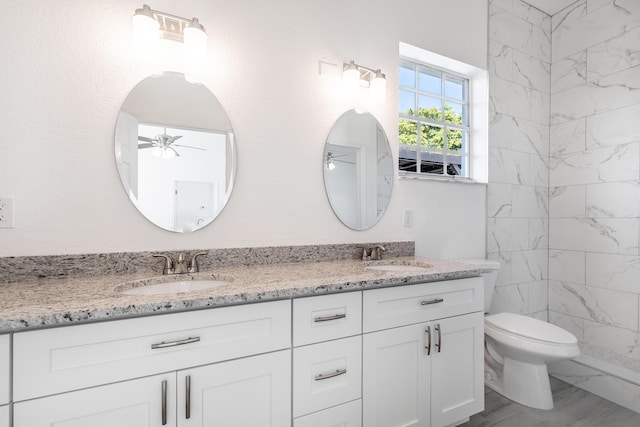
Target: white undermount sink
{"type": "Point", "coordinates": [399, 268]}
{"type": "Point", "coordinates": [175, 287]}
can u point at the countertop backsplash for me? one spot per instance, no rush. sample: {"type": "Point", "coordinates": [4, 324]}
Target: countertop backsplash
{"type": "Point", "coordinates": [15, 269]}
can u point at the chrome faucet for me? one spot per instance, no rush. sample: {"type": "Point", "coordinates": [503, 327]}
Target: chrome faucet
{"type": "Point", "coordinates": [377, 251]}
{"type": "Point", "coordinates": [180, 266]}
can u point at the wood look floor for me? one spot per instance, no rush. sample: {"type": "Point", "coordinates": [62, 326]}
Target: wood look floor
{"type": "Point", "coordinates": [572, 407]}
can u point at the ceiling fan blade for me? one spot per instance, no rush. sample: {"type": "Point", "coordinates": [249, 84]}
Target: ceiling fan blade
{"type": "Point", "coordinates": [172, 149]}
{"type": "Point", "coordinates": [188, 146]}
{"type": "Point", "coordinates": [146, 139]}
{"type": "Point", "coordinates": [146, 145]}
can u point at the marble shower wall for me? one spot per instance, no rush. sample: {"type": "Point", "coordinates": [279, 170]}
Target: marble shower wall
{"type": "Point", "coordinates": [517, 197]}
{"type": "Point", "coordinates": [594, 195]}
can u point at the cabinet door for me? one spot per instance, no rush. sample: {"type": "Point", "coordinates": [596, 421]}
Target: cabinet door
{"type": "Point", "coordinates": [396, 378]}
{"type": "Point", "coordinates": [457, 370]}
{"type": "Point", "coordinates": [132, 403]}
{"type": "Point", "coordinates": [5, 367]}
{"type": "Point", "coordinates": [250, 392]}
{"type": "Point", "coordinates": [4, 416]}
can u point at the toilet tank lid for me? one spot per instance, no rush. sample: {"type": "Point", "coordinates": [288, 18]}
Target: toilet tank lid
{"type": "Point", "coordinates": [480, 262]}
{"type": "Point", "coordinates": [529, 327]}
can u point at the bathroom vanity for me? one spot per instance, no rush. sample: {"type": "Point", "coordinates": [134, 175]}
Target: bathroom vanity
{"type": "Point", "coordinates": [374, 348]}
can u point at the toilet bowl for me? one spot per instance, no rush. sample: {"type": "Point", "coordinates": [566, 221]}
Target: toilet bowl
{"type": "Point", "coordinates": [518, 348]}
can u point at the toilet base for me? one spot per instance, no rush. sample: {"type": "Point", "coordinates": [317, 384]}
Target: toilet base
{"type": "Point", "coordinates": [524, 383]}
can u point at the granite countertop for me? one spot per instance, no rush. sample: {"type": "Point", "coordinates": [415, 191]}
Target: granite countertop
{"type": "Point", "coordinates": [56, 302]}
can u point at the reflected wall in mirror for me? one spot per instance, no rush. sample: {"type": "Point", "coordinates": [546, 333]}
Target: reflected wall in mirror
{"type": "Point", "coordinates": [175, 152]}
{"type": "Point", "coordinates": [358, 170]}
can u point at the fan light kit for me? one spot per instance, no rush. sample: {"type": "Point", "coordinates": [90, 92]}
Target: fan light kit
{"type": "Point", "coordinates": [149, 25]}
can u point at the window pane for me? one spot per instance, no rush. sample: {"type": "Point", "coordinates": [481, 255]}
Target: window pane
{"type": "Point", "coordinates": [454, 88]}
{"type": "Point", "coordinates": [455, 140]}
{"type": "Point", "coordinates": [431, 137]}
{"type": "Point", "coordinates": [407, 160]}
{"type": "Point", "coordinates": [407, 102]}
{"type": "Point", "coordinates": [429, 107]}
{"type": "Point", "coordinates": [430, 82]}
{"type": "Point", "coordinates": [455, 113]}
{"type": "Point", "coordinates": [407, 77]}
{"type": "Point", "coordinates": [407, 132]}
{"type": "Point", "coordinates": [431, 163]}
{"type": "Point", "coordinates": [455, 166]}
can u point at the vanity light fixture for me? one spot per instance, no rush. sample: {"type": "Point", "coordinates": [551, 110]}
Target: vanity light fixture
{"type": "Point", "coordinates": [149, 25]}
{"type": "Point", "coordinates": [355, 76]}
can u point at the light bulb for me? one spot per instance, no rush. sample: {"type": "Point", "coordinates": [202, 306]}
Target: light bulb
{"type": "Point", "coordinates": [378, 88]}
{"type": "Point", "coordinates": [195, 43]}
{"type": "Point", "coordinates": [145, 29]}
{"type": "Point", "coordinates": [351, 78]}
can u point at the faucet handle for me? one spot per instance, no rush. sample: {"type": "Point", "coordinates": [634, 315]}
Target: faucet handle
{"type": "Point", "coordinates": [193, 263]}
{"type": "Point", "coordinates": [168, 263]}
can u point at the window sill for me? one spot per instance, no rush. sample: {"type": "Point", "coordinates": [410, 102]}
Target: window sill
{"type": "Point", "coordinates": [425, 177]}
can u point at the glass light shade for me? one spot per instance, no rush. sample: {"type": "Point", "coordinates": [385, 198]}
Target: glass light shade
{"type": "Point", "coordinates": [351, 78]}
{"type": "Point", "coordinates": [195, 41]}
{"type": "Point", "coordinates": [378, 88]}
{"type": "Point", "coordinates": [146, 29]}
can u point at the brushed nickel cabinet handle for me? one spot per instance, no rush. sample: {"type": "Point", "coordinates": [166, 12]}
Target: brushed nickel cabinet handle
{"type": "Point", "coordinates": [164, 402]}
{"type": "Point", "coordinates": [428, 346]}
{"type": "Point", "coordinates": [175, 343]}
{"type": "Point", "coordinates": [188, 393]}
{"type": "Point", "coordinates": [432, 301]}
{"type": "Point", "coordinates": [321, 377]}
{"type": "Point", "coordinates": [329, 318]}
{"type": "Point", "coordinates": [439, 331]}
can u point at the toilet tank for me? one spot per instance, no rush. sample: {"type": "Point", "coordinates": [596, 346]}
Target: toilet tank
{"type": "Point", "coordinates": [489, 278]}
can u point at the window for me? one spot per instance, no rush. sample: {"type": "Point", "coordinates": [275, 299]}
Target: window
{"type": "Point", "coordinates": [433, 125]}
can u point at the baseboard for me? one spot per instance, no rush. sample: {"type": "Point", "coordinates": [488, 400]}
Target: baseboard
{"type": "Point", "coordinates": [611, 382]}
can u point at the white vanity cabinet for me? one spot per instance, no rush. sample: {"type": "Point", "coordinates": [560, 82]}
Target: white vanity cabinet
{"type": "Point", "coordinates": [423, 354]}
{"type": "Point", "coordinates": [5, 421]}
{"type": "Point", "coordinates": [134, 372]}
{"type": "Point", "coordinates": [327, 360]}
{"type": "Point", "coordinates": [5, 374]}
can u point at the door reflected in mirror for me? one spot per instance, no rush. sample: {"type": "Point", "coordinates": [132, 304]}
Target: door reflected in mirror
{"type": "Point", "coordinates": [358, 170]}
{"type": "Point", "coordinates": [175, 152]}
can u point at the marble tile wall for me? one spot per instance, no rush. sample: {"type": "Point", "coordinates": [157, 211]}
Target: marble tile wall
{"type": "Point", "coordinates": [594, 179]}
{"type": "Point", "coordinates": [518, 193]}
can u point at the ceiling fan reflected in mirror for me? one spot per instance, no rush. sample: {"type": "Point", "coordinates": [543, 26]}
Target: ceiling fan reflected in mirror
{"type": "Point", "coordinates": [163, 145]}
{"type": "Point", "coordinates": [331, 158]}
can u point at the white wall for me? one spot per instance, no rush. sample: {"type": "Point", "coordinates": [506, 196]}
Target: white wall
{"type": "Point", "coordinates": [66, 69]}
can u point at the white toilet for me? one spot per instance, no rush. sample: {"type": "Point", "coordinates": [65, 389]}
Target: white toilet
{"type": "Point", "coordinates": [518, 348]}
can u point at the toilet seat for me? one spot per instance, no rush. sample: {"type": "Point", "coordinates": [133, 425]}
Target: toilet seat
{"type": "Point", "coordinates": [529, 328]}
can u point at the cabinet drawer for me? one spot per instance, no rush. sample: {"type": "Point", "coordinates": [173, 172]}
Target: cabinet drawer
{"type": "Point", "coordinates": [326, 317]}
{"type": "Point", "coordinates": [346, 415]}
{"type": "Point", "coordinates": [390, 307]}
{"type": "Point", "coordinates": [5, 366]}
{"type": "Point", "coordinates": [326, 374]}
{"type": "Point", "coordinates": [55, 360]}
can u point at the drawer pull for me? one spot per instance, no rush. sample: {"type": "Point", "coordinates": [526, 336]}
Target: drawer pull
{"type": "Point", "coordinates": [439, 331]}
{"type": "Point", "coordinates": [187, 408]}
{"type": "Point", "coordinates": [164, 403]}
{"type": "Point", "coordinates": [321, 377]}
{"type": "Point", "coordinates": [432, 301]}
{"type": "Point", "coordinates": [175, 343]}
{"type": "Point", "coordinates": [329, 318]}
{"type": "Point", "coordinates": [428, 346]}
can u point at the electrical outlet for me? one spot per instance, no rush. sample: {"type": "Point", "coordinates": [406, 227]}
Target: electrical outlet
{"type": "Point", "coordinates": [6, 212]}
{"type": "Point", "coordinates": [407, 218]}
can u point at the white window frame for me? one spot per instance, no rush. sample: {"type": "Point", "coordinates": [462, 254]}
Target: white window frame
{"type": "Point", "coordinates": [478, 111]}
{"type": "Point", "coordinates": [444, 155]}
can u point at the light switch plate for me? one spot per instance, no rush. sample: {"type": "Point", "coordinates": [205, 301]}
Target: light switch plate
{"type": "Point", "coordinates": [407, 218]}
{"type": "Point", "coordinates": [6, 212]}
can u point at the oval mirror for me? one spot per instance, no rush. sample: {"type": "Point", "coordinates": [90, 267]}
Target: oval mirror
{"type": "Point", "coordinates": [358, 170]}
{"type": "Point", "coordinates": [175, 152]}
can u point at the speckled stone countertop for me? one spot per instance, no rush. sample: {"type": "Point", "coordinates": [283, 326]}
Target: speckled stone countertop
{"type": "Point", "coordinates": [56, 302]}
